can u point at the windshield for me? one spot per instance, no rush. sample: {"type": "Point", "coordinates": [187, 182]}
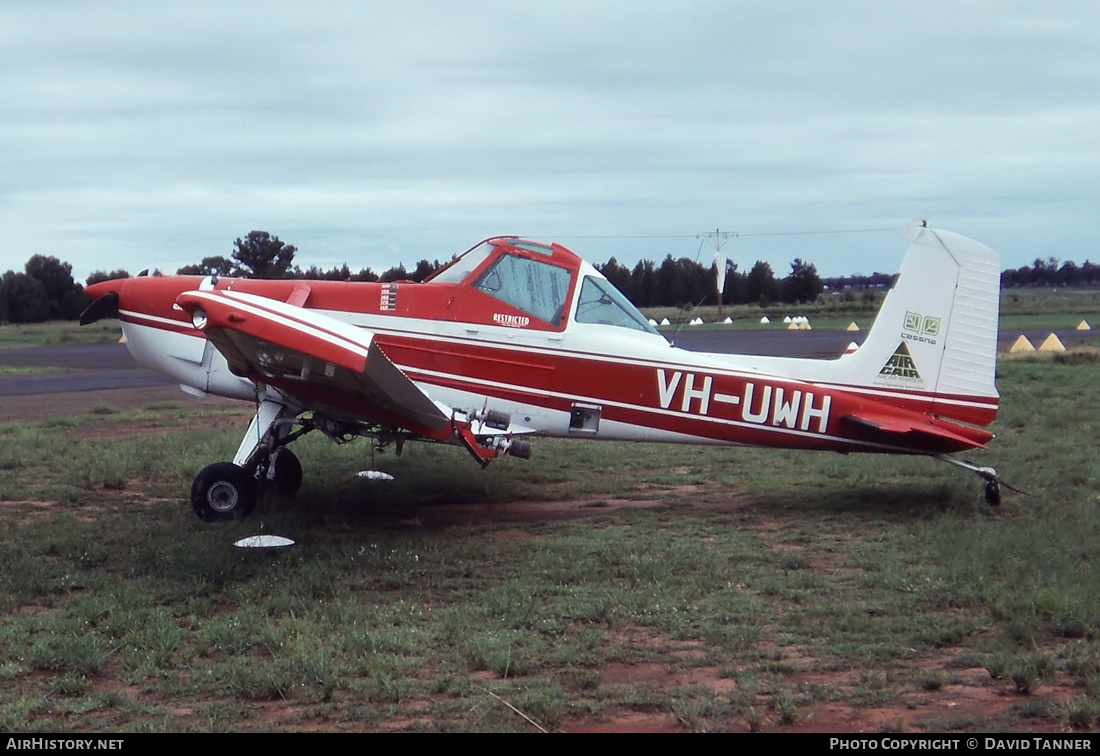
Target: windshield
{"type": "Point", "coordinates": [457, 271]}
{"type": "Point", "coordinates": [600, 302]}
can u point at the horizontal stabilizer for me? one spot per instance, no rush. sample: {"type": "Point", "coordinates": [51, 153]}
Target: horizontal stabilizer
{"type": "Point", "coordinates": [934, 431]}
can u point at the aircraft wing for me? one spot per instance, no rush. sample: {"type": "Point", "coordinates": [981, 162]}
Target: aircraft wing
{"type": "Point", "coordinates": [296, 348]}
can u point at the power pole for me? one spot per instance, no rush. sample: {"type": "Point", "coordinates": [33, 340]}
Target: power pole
{"type": "Point", "coordinates": [720, 238]}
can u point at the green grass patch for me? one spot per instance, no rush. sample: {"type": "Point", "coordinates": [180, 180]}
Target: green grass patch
{"type": "Point", "coordinates": [744, 590]}
{"type": "Point", "coordinates": [1020, 309]}
{"type": "Point", "coordinates": [57, 333]}
{"type": "Point", "coordinates": [6, 370]}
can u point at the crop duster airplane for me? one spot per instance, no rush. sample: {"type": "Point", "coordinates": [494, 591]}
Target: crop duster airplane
{"type": "Point", "coordinates": [516, 339]}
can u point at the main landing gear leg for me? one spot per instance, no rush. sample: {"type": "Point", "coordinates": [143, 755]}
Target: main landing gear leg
{"type": "Point", "coordinates": [228, 490]}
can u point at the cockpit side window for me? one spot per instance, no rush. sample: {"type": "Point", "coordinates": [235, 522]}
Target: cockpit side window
{"type": "Point", "coordinates": [537, 288]}
{"type": "Point", "coordinates": [602, 303]}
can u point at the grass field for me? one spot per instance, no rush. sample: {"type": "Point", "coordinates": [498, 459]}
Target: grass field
{"type": "Point", "coordinates": [57, 333]}
{"type": "Point", "coordinates": [596, 586]}
{"type": "Point", "coordinates": [1020, 309]}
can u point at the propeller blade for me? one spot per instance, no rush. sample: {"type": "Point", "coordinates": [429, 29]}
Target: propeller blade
{"type": "Point", "coordinates": [104, 307]}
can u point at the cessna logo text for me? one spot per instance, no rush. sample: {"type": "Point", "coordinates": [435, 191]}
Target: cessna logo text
{"type": "Point", "coordinates": [901, 365]}
{"type": "Point", "coordinates": [757, 403]}
{"type": "Point", "coordinates": [920, 328]}
{"type": "Point", "coordinates": [512, 321]}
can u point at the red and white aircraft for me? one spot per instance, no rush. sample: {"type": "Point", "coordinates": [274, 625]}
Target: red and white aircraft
{"type": "Point", "coordinates": [515, 338]}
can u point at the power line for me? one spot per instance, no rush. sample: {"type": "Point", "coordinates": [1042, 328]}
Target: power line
{"type": "Point", "coordinates": [728, 234]}
{"type": "Point", "coordinates": [824, 233]}
{"type": "Point", "coordinates": [630, 236]}
{"type": "Point", "coordinates": [719, 236]}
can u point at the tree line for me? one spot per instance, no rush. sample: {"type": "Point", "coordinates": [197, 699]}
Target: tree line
{"type": "Point", "coordinates": [1050, 273]}
{"type": "Point", "coordinates": [45, 290]}
{"type": "Point", "coordinates": [261, 255]}
{"type": "Point", "coordinates": [683, 281]}
{"type": "Point", "coordinates": [674, 282]}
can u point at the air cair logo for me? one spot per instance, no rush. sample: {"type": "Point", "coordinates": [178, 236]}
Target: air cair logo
{"type": "Point", "coordinates": [900, 365]}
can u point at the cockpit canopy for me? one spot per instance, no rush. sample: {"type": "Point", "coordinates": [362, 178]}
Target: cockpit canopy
{"type": "Point", "coordinates": [537, 281]}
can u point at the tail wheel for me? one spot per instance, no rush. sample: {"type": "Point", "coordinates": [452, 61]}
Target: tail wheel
{"type": "Point", "coordinates": [288, 472]}
{"type": "Point", "coordinates": [993, 492]}
{"type": "Point", "coordinates": [223, 491]}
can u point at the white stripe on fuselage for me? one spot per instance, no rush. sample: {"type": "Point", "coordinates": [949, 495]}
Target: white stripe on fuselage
{"type": "Point", "coordinates": [712, 363]}
{"type": "Point", "coordinates": [157, 319]}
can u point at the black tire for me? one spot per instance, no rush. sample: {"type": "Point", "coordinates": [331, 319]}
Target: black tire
{"type": "Point", "coordinates": [993, 493]}
{"type": "Point", "coordinates": [223, 491]}
{"type": "Point", "coordinates": [288, 472]}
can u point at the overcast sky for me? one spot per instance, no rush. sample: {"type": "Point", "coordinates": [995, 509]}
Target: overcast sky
{"type": "Point", "coordinates": [146, 135]}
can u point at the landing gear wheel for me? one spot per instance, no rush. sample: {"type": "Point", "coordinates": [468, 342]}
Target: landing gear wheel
{"type": "Point", "coordinates": [223, 491]}
{"type": "Point", "coordinates": [993, 493]}
{"type": "Point", "coordinates": [288, 472]}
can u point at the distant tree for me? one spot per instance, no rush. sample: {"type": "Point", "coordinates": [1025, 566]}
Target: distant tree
{"type": "Point", "coordinates": [25, 298]}
{"type": "Point", "coordinates": [671, 287]}
{"type": "Point", "coordinates": [343, 273]}
{"type": "Point", "coordinates": [644, 279]}
{"type": "Point", "coordinates": [1068, 274]}
{"type": "Point", "coordinates": [64, 297]}
{"type": "Point", "coordinates": [699, 281]}
{"type": "Point", "coordinates": [619, 277]}
{"type": "Point", "coordinates": [45, 290]}
{"type": "Point", "coordinates": [760, 284]}
{"type": "Point", "coordinates": [423, 270]}
{"type": "Point", "coordinates": [873, 281]}
{"type": "Point", "coordinates": [98, 276]}
{"type": "Point", "coordinates": [1043, 273]}
{"type": "Point", "coordinates": [210, 266]}
{"type": "Point", "coordinates": [397, 273]}
{"type": "Point", "coordinates": [803, 284]}
{"type": "Point", "coordinates": [261, 255]}
{"type": "Point", "coordinates": [258, 255]}
{"type": "Point", "coordinates": [733, 290]}
{"type": "Point", "coordinates": [1090, 274]}
{"type": "Point", "coordinates": [314, 273]}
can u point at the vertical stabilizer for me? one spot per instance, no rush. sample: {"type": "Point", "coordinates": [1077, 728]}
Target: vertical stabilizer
{"type": "Point", "coordinates": [936, 334]}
